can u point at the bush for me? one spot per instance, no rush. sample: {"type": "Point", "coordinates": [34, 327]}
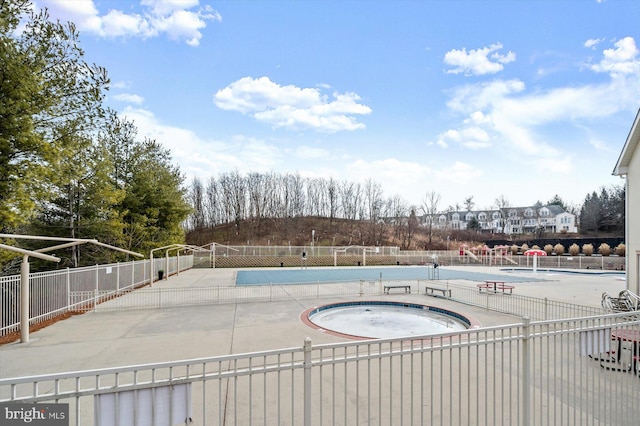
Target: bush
{"type": "Point", "coordinates": [535, 247]}
{"type": "Point", "coordinates": [587, 249]}
{"type": "Point", "coordinates": [574, 249]}
{"type": "Point", "coordinates": [514, 249]}
{"type": "Point", "coordinates": [621, 250]}
{"type": "Point", "coordinates": [604, 249]}
{"type": "Point", "coordinates": [558, 249]}
{"type": "Point", "coordinates": [524, 247]}
{"type": "Point", "coordinates": [548, 248]}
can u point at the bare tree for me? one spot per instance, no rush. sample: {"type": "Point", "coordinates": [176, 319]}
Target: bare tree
{"type": "Point", "coordinates": [469, 203]}
{"type": "Point", "coordinates": [296, 191]}
{"type": "Point", "coordinates": [412, 227]}
{"type": "Point", "coordinates": [213, 213]}
{"type": "Point", "coordinates": [430, 204]}
{"type": "Point", "coordinates": [397, 213]}
{"type": "Point", "coordinates": [196, 195]}
{"type": "Point", "coordinates": [373, 201]}
{"type": "Point", "coordinates": [350, 195]}
{"type": "Point", "coordinates": [333, 199]}
{"type": "Point", "coordinates": [503, 205]}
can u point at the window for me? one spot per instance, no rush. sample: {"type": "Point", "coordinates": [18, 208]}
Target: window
{"type": "Point", "coordinates": [455, 217]}
{"type": "Point", "coordinates": [482, 216]}
{"type": "Point", "coordinates": [528, 213]}
{"type": "Point", "coordinates": [442, 219]}
{"type": "Point", "coordinates": [513, 213]}
{"type": "Point", "coordinates": [495, 215]}
{"type": "Point", "coordinates": [469, 216]}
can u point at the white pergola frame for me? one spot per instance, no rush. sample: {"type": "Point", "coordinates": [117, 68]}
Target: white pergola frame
{"type": "Point", "coordinates": [370, 249]}
{"type": "Point", "coordinates": [169, 248]}
{"type": "Point", "coordinates": [24, 267]}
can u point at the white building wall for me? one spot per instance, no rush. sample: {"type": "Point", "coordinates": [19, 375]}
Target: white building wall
{"type": "Point", "coordinates": [632, 237]}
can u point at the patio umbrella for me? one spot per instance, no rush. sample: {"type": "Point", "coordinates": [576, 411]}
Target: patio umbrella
{"type": "Point", "coordinates": [535, 253]}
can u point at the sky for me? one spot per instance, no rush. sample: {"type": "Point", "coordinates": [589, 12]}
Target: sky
{"type": "Point", "coordinates": [522, 100]}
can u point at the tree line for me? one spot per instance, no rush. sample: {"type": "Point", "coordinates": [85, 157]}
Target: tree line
{"type": "Point", "coordinates": [248, 200]}
{"type": "Point", "coordinates": [69, 166]}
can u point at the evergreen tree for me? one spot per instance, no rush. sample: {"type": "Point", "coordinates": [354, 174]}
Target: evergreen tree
{"type": "Point", "coordinates": [47, 92]}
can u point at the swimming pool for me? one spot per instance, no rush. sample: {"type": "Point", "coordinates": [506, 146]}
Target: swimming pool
{"type": "Point", "coordinates": [590, 272]}
{"type": "Point", "coordinates": [382, 319]}
{"type": "Point", "coordinates": [365, 273]}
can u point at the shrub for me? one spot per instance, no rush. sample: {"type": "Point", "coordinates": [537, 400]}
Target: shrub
{"type": "Point", "coordinates": [604, 249]}
{"type": "Point", "coordinates": [574, 249]}
{"type": "Point", "coordinates": [524, 247]}
{"type": "Point", "coordinates": [548, 248]}
{"type": "Point", "coordinates": [514, 249]}
{"type": "Point", "coordinates": [535, 247]}
{"type": "Point", "coordinates": [587, 249]}
{"type": "Point", "coordinates": [558, 249]}
{"type": "Point", "coordinates": [621, 250]}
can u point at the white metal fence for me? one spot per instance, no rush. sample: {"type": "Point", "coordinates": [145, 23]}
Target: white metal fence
{"type": "Point", "coordinates": [530, 373]}
{"type": "Point", "coordinates": [324, 255]}
{"type": "Point", "coordinates": [54, 293]}
{"type": "Point", "coordinates": [514, 304]}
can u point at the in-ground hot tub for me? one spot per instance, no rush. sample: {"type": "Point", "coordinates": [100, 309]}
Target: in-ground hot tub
{"type": "Point", "coordinates": [381, 319]}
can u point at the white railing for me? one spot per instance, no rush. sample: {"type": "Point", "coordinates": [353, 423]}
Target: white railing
{"type": "Point", "coordinates": [157, 297]}
{"type": "Point", "coordinates": [325, 256]}
{"type": "Point", "coordinates": [54, 293]}
{"type": "Point", "coordinates": [530, 373]}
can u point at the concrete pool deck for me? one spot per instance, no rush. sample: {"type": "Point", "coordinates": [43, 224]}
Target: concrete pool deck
{"type": "Point", "coordinates": [128, 337]}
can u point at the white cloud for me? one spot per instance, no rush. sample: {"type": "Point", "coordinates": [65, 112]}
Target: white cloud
{"type": "Point", "coordinates": [292, 107]}
{"type": "Point", "coordinates": [623, 60]}
{"type": "Point", "coordinates": [459, 173]}
{"type": "Point", "coordinates": [469, 137]}
{"type": "Point", "coordinates": [129, 98]}
{"type": "Point", "coordinates": [479, 61]}
{"type": "Point", "coordinates": [504, 113]}
{"type": "Point", "coordinates": [120, 85]}
{"type": "Point", "coordinates": [308, 152]}
{"type": "Point", "coordinates": [172, 17]}
{"type": "Point", "coordinates": [203, 158]}
{"type": "Point", "coordinates": [592, 43]}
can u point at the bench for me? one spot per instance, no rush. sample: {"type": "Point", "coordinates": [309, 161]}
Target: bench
{"type": "Point", "coordinates": [445, 291]}
{"type": "Point", "coordinates": [407, 288]}
{"type": "Point", "coordinates": [505, 287]}
{"type": "Point", "coordinates": [485, 286]}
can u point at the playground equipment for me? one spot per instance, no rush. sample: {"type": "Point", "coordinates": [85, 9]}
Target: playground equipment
{"type": "Point", "coordinates": [626, 301]}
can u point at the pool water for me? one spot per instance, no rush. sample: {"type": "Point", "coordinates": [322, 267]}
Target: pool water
{"type": "Point", "coordinates": [386, 319]}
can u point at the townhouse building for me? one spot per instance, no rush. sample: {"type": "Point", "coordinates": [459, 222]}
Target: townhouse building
{"type": "Point", "coordinates": [510, 220]}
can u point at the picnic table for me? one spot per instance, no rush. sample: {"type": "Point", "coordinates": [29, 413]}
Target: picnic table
{"type": "Point", "coordinates": [495, 285]}
{"type": "Point", "coordinates": [627, 340]}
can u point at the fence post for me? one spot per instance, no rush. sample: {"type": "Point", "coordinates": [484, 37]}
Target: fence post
{"type": "Point", "coordinates": [546, 309]}
{"type": "Point", "coordinates": [307, 381]}
{"type": "Point", "coordinates": [95, 295]}
{"type": "Point", "coordinates": [68, 290]}
{"type": "Point", "coordinates": [526, 371]}
{"type": "Point", "coordinates": [117, 277]}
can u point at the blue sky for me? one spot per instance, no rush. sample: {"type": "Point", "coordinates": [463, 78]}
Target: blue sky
{"type": "Point", "coordinates": [521, 99]}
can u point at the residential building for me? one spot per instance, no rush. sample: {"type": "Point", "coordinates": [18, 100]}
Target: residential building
{"type": "Point", "coordinates": [510, 220]}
